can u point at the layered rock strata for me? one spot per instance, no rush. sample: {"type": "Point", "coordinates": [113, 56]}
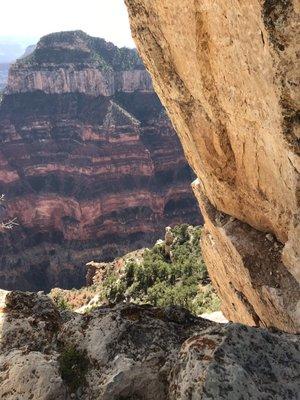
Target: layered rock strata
{"type": "Point", "coordinates": [138, 352]}
{"type": "Point", "coordinates": [228, 75]}
{"type": "Point", "coordinates": [90, 164]}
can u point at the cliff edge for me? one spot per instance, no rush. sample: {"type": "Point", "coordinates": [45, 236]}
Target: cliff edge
{"type": "Point", "coordinates": [228, 73]}
{"type": "Point", "coordinates": [137, 352]}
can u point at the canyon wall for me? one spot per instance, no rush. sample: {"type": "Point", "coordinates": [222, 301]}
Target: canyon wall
{"type": "Point", "coordinates": [90, 164]}
{"type": "Point", "coordinates": [4, 68]}
{"type": "Point", "coordinates": [228, 75]}
{"type": "Point", "coordinates": [3, 75]}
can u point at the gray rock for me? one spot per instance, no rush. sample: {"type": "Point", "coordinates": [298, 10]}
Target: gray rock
{"type": "Point", "coordinates": [234, 361]}
{"type": "Point", "coordinates": [140, 352]}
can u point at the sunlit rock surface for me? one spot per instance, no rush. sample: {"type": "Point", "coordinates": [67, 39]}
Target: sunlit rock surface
{"type": "Point", "coordinates": [227, 72]}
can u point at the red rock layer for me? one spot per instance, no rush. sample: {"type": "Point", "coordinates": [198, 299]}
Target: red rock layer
{"type": "Point", "coordinates": [88, 177]}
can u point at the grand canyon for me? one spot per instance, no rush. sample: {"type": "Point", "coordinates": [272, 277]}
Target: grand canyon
{"type": "Point", "coordinates": [200, 308]}
{"type": "Point", "coordinates": [90, 164]}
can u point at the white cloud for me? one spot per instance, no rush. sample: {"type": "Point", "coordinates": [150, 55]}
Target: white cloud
{"type": "Point", "coordinates": [35, 18]}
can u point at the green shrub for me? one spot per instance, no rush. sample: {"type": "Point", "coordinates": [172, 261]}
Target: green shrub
{"type": "Point", "coordinates": [61, 303]}
{"type": "Point", "coordinates": [182, 280]}
{"type": "Point", "coordinates": [73, 366]}
{"type": "Point", "coordinates": [113, 289]}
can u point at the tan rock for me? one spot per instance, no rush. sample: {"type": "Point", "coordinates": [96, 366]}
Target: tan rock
{"type": "Point", "coordinates": [227, 73]}
{"type": "Point", "coordinates": [169, 239]}
{"type": "Point", "coordinates": [89, 81]}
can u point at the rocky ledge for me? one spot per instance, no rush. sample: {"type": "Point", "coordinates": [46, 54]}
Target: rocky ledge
{"type": "Point", "coordinates": [138, 352]}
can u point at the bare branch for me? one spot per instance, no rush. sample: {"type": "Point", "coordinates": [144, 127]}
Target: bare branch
{"type": "Point", "coordinates": [6, 225]}
{"type": "Point", "coordinates": [9, 224]}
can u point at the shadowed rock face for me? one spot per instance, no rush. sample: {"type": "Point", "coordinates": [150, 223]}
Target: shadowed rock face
{"type": "Point", "coordinates": [90, 163]}
{"type": "Point", "coordinates": [138, 352]}
{"type": "Point", "coordinates": [227, 73]}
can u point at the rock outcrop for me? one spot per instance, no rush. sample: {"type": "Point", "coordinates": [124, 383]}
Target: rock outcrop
{"type": "Point", "coordinates": [227, 73]}
{"type": "Point", "coordinates": [3, 75]}
{"type": "Point", "coordinates": [4, 68]}
{"type": "Point", "coordinates": [90, 164]}
{"type": "Point", "coordinates": [138, 352]}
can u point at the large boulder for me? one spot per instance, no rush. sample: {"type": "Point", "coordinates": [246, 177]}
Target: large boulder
{"type": "Point", "coordinates": [138, 352]}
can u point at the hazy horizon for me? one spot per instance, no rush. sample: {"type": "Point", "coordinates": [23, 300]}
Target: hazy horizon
{"type": "Point", "coordinates": [24, 23]}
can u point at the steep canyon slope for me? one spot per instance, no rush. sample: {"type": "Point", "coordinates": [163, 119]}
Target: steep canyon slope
{"type": "Point", "coordinates": [90, 164]}
{"type": "Point", "coordinates": [228, 74]}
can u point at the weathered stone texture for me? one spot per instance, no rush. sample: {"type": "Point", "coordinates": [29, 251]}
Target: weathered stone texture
{"type": "Point", "coordinates": [227, 72]}
{"type": "Point", "coordinates": [141, 353]}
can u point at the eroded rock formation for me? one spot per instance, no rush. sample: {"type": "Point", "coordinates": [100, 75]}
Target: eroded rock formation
{"type": "Point", "coordinates": [228, 75]}
{"type": "Point", "coordinates": [137, 352]}
{"type": "Point", "coordinates": [90, 164]}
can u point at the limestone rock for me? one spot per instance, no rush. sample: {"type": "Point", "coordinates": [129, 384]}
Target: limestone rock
{"type": "Point", "coordinates": [216, 316]}
{"type": "Point", "coordinates": [139, 352]}
{"type": "Point", "coordinates": [67, 62]}
{"type": "Point", "coordinates": [227, 73]}
{"type": "Point", "coordinates": [33, 376]}
{"type": "Point", "coordinates": [233, 362]}
{"type": "Point", "coordinates": [169, 239]}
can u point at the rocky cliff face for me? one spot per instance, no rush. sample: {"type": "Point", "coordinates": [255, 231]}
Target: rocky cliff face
{"type": "Point", "coordinates": [138, 352]}
{"type": "Point", "coordinates": [69, 62]}
{"type": "Point", "coordinates": [4, 68]}
{"type": "Point", "coordinates": [227, 73]}
{"type": "Point", "coordinates": [90, 164]}
{"type": "Point", "coordinates": [3, 75]}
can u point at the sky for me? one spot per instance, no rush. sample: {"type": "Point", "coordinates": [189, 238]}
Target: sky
{"type": "Point", "coordinates": [26, 21]}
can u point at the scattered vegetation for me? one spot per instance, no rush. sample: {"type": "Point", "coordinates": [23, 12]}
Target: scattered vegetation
{"type": "Point", "coordinates": [73, 366]}
{"type": "Point", "coordinates": [81, 49]}
{"type": "Point", "coordinates": [61, 302]}
{"type": "Point", "coordinates": [177, 279]}
{"type": "Point", "coordinates": [154, 276]}
{"type": "Point", "coordinates": [66, 299]}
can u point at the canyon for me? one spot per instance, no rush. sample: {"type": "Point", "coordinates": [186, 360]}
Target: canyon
{"type": "Point", "coordinates": [90, 164]}
{"type": "Point", "coordinates": [228, 74]}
